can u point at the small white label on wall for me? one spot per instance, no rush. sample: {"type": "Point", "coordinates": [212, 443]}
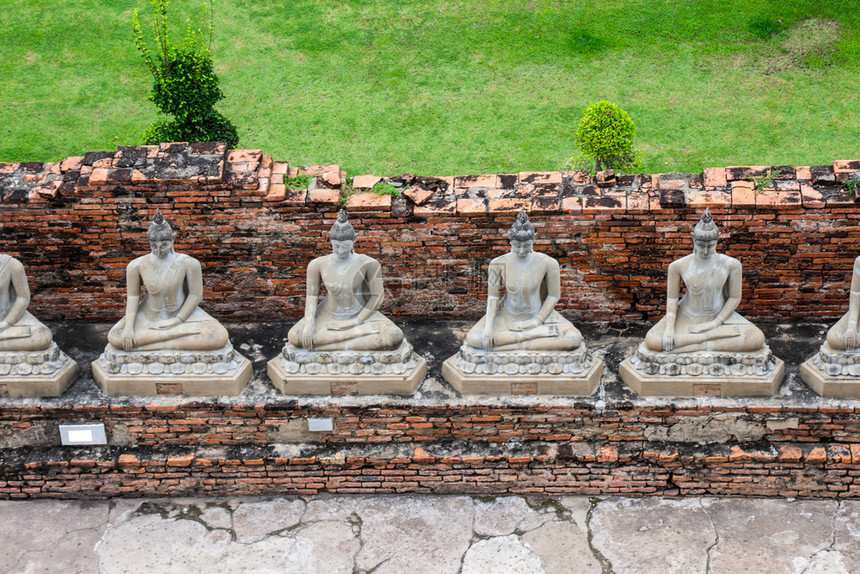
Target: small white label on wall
{"type": "Point", "coordinates": [320, 425]}
{"type": "Point", "coordinates": [80, 436]}
{"type": "Point", "coordinates": [83, 434]}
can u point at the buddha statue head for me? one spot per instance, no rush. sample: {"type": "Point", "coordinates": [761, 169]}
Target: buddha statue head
{"type": "Point", "coordinates": [342, 236]}
{"type": "Point", "coordinates": [160, 236]}
{"type": "Point", "coordinates": [705, 235]}
{"type": "Point", "coordinates": [522, 235]}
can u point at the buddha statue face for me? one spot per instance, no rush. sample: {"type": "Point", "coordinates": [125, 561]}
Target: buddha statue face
{"type": "Point", "coordinates": [522, 247]}
{"type": "Point", "coordinates": [160, 236]}
{"type": "Point", "coordinates": [342, 248]}
{"type": "Point", "coordinates": [161, 244]}
{"type": "Point", "coordinates": [703, 247]}
{"type": "Point", "coordinates": [342, 236]}
{"type": "Point", "coordinates": [522, 235]}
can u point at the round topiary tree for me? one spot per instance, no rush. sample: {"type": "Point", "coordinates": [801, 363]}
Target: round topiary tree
{"type": "Point", "coordinates": [605, 139]}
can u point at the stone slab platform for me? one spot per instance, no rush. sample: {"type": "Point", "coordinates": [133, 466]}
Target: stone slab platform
{"type": "Point", "coordinates": [566, 385]}
{"type": "Point", "coordinates": [325, 384]}
{"type": "Point", "coordinates": [838, 387]}
{"type": "Point", "coordinates": [690, 386]}
{"type": "Point", "coordinates": [208, 384]}
{"type": "Point", "coordinates": [52, 385]}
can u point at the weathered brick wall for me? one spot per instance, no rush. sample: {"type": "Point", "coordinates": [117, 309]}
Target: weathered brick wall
{"type": "Point", "coordinates": [196, 447]}
{"type": "Point", "coordinates": [77, 223]}
{"type": "Point", "coordinates": [206, 423]}
{"type": "Point", "coordinates": [823, 472]}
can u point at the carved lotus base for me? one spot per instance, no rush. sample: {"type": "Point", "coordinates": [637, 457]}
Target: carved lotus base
{"type": "Point", "coordinates": [300, 372]}
{"type": "Point", "coordinates": [833, 373]}
{"type": "Point", "coordinates": [190, 373]}
{"type": "Point", "coordinates": [46, 373]}
{"type": "Point", "coordinates": [722, 374]}
{"type": "Point", "coordinates": [475, 372]}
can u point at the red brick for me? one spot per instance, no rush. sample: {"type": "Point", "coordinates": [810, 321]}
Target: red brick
{"type": "Point", "coordinates": [418, 195]}
{"type": "Point", "coordinates": [126, 460]}
{"type": "Point", "coordinates": [368, 202]}
{"type": "Point", "coordinates": [811, 198]}
{"type": "Point", "coordinates": [743, 193]}
{"type": "Point", "coordinates": [846, 166]}
{"type": "Point", "coordinates": [700, 199]}
{"type": "Point", "coordinates": [509, 205]}
{"type": "Point", "coordinates": [790, 454]}
{"type": "Point", "coordinates": [607, 454]}
{"type": "Point", "coordinates": [571, 204]}
{"type": "Point", "coordinates": [244, 155]}
{"type": "Point", "coordinates": [421, 455]}
{"type": "Point", "coordinates": [539, 177]}
{"type": "Point", "coordinates": [817, 456]}
{"type": "Point", "coordinates": [470, 206]}
{"type": "Point", "coordinates": [714, 177]}
{"type": "Point", "coordinates": [180, 460]}
{"type": "Point", "coordinates": [466, 181]}
{"type": "Point", "coordinates": [365, 181]}
{"type": "Point", "coordinates": [326, 196]}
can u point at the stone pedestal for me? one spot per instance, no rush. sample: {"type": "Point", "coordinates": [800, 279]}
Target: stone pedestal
{"type": "Point", "coordinates": [189, 373]}
{"type": "Point", "coordinates": [301, 372]}
{"type": "Point", "coordinates": [832, 373]}
{"type": "Point", "coordinates": [46, 373]}
{"type": "Point", "coordinates": [474, 372]}
{"type": "Point", "coordinates": [721, 374]}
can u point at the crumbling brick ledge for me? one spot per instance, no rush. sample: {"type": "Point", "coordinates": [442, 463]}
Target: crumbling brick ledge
{"type": "Point", "coordinates": [614, 442]}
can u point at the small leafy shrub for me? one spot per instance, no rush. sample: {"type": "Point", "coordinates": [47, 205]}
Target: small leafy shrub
{"type": "Point", "coordinates": [298, 183]}
{"type": "Point", "coordinates": [765, 181]}
{"type": "Point", "coordinates": [605, 139]}
{"type": "Point", "coordinates": [346, 190]}
{"type": "Point", "coordinates": [186, 86]}
{"type": "Point", "coordinates": [852, 185]}
{"type": "Point", "coordinates": [382, 188]}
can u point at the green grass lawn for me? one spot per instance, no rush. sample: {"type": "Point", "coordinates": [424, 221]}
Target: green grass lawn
{"type": "Point", "coordinates": [448, 87]}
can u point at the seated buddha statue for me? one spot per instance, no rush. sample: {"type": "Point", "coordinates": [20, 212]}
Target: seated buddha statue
{"type": "Point", "coordinates": [705, 319]}
{"type": "Point", "coordinates": [524, 316]}
{"type": "Point", "coordinates": [843, 336]}
{"type": "Point", "coordinates": [348, 317]}
{"type": "Point", "coordinates": [167, 317]}
{"type": "Point", "coordinates": [19, 330]}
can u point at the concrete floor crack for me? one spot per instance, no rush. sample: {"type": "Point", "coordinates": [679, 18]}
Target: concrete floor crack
{"type": "Point", "coordinates": [108, 525]}
{"type": "Point", "coordinates": [832, 546]}
{"type": "Point", "coordinates": [716, 538]}
{"type": "Point", "coordinates": [356, 522]}
{"type": "Point", "coordinates": [605, 564]}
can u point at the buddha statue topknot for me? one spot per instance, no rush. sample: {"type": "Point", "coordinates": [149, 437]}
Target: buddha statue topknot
{"type": "Point", "coordinates": [166, 341]}
{"type": "Point", "coordinates": [31, 364]}
{"type": "Point", "coordinates": [343, 339]}
{"type": "Point", "coordinates": [703, 344]}
{"type": "Point", "coordinates": [522, 339]}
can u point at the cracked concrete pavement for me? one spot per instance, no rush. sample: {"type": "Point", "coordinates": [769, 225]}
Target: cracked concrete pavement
{"type": "Point", "coordinates": [431, 534]}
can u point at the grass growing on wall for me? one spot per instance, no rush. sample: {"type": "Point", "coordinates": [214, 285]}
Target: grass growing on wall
{"type": "Point", "coordinates": [454, 86]}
